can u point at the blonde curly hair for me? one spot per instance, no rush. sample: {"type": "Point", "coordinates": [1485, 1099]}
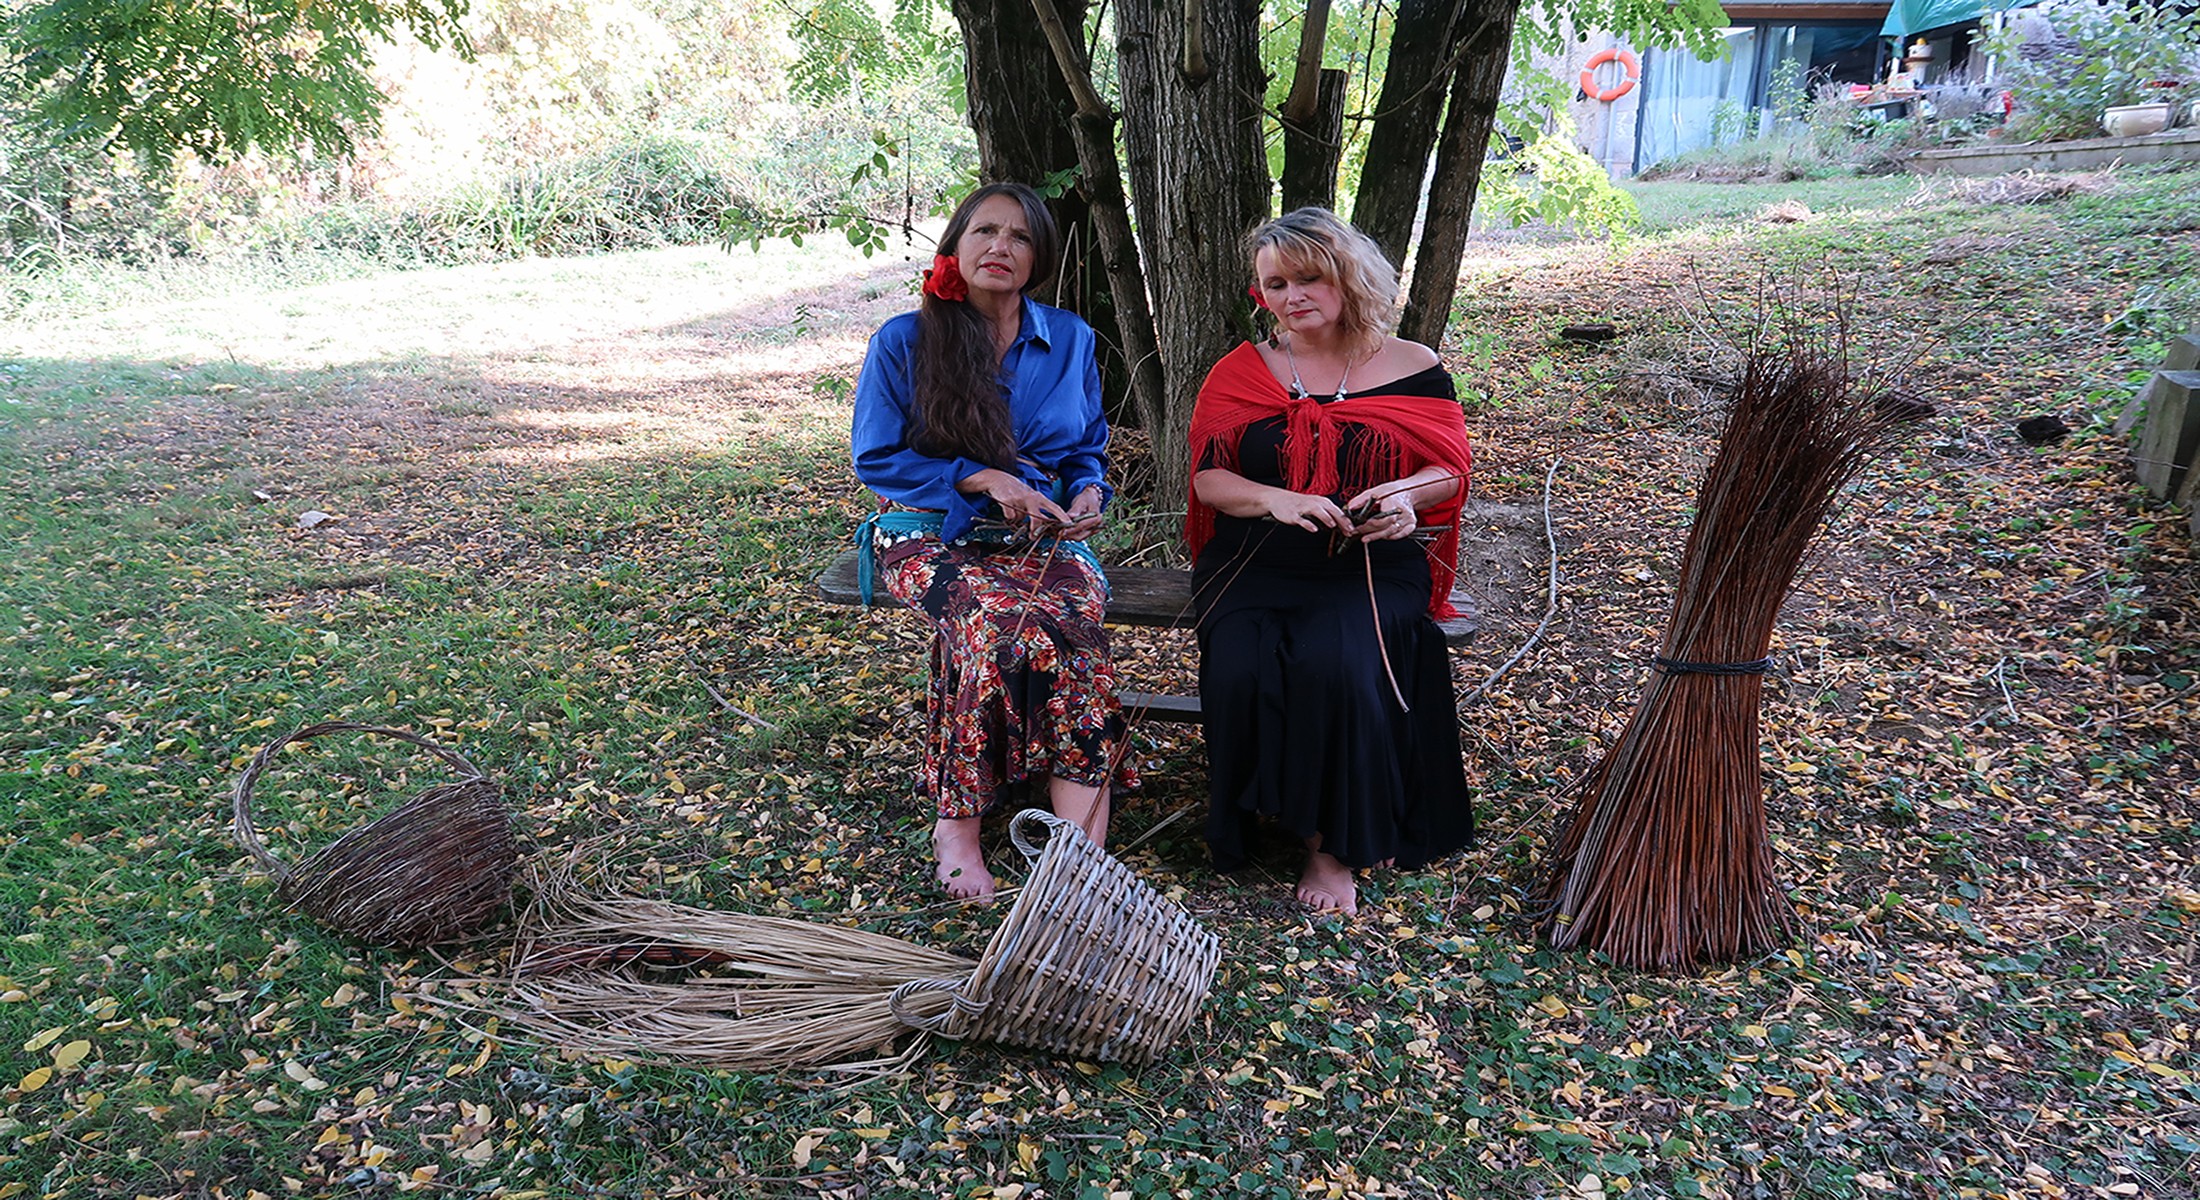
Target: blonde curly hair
{"type": "Point", "coordinates": [1317, 240]}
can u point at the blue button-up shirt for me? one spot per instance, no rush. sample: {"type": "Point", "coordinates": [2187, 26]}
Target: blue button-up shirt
{"type": "Point", "coordinates": [1053, 386]}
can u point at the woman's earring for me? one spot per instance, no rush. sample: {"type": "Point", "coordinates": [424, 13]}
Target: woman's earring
{"type": "Point", "coordinates": [1263, 314]}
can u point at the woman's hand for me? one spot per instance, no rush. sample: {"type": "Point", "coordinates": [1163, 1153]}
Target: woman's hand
{"type": "Point", "coordinates": [1311, 513]}
{"type": "Point", "coordinates": [1020, 502]}
{"type": "Point", "coordinates": [1233, 494]}
{"type": "Point", "coordinates": [1084, 514]}
{"type": "Point", "coordinates": [1389, 510]}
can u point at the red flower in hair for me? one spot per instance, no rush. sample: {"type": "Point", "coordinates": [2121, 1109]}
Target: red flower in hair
{"type": "Point", "coordinates": [1253, 290]}
{"type": "Point", "coordinates": [945, 279]}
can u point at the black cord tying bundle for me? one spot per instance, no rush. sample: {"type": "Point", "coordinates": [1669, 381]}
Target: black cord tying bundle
{"type": "Point", "coordinates": [1674, 666]}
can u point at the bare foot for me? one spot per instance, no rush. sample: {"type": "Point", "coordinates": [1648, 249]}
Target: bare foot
{"type": "Point", "coordinates": [961, 868]}
{"type": "Point", "coordinates": [1088, 806]}
{"type": "Point", "coordinates": [1326, 884]}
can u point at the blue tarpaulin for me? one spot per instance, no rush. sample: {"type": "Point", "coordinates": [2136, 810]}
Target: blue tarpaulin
{"type": "Point", "coordinates": [1905, 17]}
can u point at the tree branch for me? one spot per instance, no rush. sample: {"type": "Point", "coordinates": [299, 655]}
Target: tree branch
{"type": "Point", "coordinates": [1306, 76]}
{"type": "Point", "coordinates": [1065, 57]}
{"type": "Point", "coordinates": [1094, 132]}
{"type": "Point", "coordinates": [1194, 66]}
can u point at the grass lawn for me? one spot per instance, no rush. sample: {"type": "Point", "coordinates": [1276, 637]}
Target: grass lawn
{"type": "Point", "coordinates": [1670, 205]}
{"type": "Point", "coordinates": [577, 497]}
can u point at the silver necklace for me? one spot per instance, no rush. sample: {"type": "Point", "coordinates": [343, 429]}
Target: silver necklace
{"type": "Point", "coordinates": [1298, 389]}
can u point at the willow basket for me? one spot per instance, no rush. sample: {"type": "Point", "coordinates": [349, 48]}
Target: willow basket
{"type": "Point", "coordinates": [435, 868]}
{"type": "Point", "coordinates": [1091, 962]}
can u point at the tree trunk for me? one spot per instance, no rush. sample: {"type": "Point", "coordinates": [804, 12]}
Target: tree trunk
{"type": "Point", "coordinates": [1199, 180]}
{"type": "Point", "coordinates": [1020, 109]}
{"type": "Point", "coordinates": [1311, 148]}
{"type": "Point", "coordinates": [1475, 85]}
{"type": "Point", "coordinates": [1024, 115]}
{"type": "Point", "coordinates": [1094, 132]}
{"type": "Point", "coordinates": [1406, 117]}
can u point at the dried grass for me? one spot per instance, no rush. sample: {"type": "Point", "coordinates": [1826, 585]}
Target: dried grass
{"type": "Point", "coordinates": [621, 976]}
{"type": "Point", "coordinates": [1090, 962]}
{"type": "Point", "coordinates": [2017, 187]}
{"type": "Point", "coordinates": [1961, 246]}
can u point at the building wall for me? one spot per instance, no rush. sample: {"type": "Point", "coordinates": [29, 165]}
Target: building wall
{"type": "Point", "coordinates": [1683, 94]}
{"type": "Point", "coordinates": [1606, 130]}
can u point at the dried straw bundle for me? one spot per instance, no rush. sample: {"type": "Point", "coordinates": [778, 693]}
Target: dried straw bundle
{"type": "Point", "coordinates": [1090, 961]}
{"type": "Point", "coordinates": [1666, 862]}
{"type": "Point", "coordinates": [793, 993]}
{"type": "Point", "coordinates": [433, 869]}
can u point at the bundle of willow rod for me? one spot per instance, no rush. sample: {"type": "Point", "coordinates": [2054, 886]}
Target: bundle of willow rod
{"type": "Point", "coordinates": [1666, 862]}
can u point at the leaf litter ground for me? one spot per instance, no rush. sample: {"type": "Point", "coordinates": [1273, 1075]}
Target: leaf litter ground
{"type": "Point", "coordinates": [571, 495]}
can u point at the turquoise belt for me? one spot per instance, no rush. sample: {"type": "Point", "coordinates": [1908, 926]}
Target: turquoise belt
{"type": "Point", "coordinates": [868, 529]}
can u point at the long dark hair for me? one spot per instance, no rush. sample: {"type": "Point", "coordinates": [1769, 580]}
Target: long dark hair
{"type": "Point", "coordinates": [960, 410]}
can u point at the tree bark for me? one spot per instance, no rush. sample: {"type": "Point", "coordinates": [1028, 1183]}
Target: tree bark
{"type": "Point", "coordinates": [1472, 111]}
{"type": "Point", "coordinates": [1311, 147]}
{"type": "Point", "coordinates": [1102, 181]}
{"type": "Point", "coordinates": [1019, 104]}
{"type": "Point", "coordinates": [1025, 116]}
{"type": "Point", "coordinates": [1020, 108]}
{"type": "Point", "coordinates": [1405, 125]}
{"type": "Point", "coordinates": [1199, 180]}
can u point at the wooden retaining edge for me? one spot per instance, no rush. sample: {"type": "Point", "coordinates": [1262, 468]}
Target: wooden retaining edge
{"type": "Point", "coordinates": [2171, 145]}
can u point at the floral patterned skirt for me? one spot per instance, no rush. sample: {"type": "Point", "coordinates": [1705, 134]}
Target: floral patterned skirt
{"type": "Point", "coordinates": [1022, 686]}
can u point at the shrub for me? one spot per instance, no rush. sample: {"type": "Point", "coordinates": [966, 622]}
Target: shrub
{"type": "Point", "coordinates": [1777, 158]}
{"type": "Point", "coordinates": [75, 200]}
{"type": "Point", "coordinates": [2097, 55]}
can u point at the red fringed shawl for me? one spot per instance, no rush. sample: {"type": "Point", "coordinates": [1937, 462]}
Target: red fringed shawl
{"type": "Point", "coordinates": [1399, 436]}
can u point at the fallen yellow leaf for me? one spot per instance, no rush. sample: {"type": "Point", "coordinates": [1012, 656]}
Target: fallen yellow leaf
{"type": "Point", "coordinates": [68, 1056]}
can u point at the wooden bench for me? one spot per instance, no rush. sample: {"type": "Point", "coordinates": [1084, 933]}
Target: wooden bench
{"type": "Point", "coordinates": [1156, 597]}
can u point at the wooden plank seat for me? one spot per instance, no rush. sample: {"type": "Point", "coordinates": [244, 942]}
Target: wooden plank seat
{"type": "Point", "coordinates": [1158, 597]}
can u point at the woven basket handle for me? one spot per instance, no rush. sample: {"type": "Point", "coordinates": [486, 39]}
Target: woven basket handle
{"type": "Point", "coordinates": [954, 1021]}
{"type": "Point", "coordinates": [248, 835]}
{"type": "Point", "coordinates": [1033, 828]}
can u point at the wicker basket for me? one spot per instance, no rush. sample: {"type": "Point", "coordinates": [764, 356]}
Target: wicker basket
{"type": "Point", "coordinates": [1091, 962]}
{"type": "Point", "coordinates": [435, 868]}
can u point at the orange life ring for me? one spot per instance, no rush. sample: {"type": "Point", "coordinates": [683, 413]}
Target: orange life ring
{"type": "Point", "coordinates": [1626, 59]}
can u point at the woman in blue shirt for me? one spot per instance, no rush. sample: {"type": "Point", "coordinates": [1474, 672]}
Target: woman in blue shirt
{"type": "Point", "coordinates": [978, 424]}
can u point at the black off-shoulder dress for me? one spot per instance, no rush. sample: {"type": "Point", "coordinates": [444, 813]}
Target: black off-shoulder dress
{"type": "Point", "coordinates": [1302, 725]}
